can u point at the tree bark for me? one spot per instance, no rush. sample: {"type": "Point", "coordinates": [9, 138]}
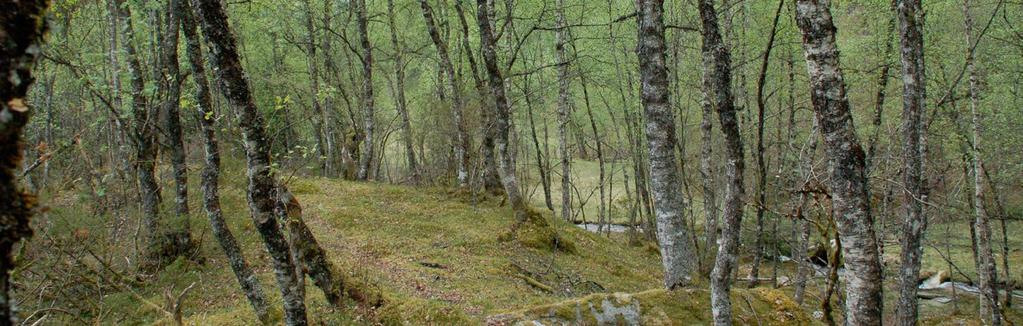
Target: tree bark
{"type": "Point", "coordinates": [502, 113]}
{"type": "Point", "coordinates": [676, 252]}
{"type": "Point", "coordinates": [707, 176]}
{"type": "Point", "coordinates": [990, 312]}
{"type": "Point", "coordinates": [368, 110]}
{"type": "Point", "coordinates": [850, 201]}
{"type": "Point", "coordinates": [179, 229]}
{"type": "Point", "coordinates": [911, 19]}
{"type": "Point", "coordinates": [22, 27]}
{"type": "Point", "coordinates": [262, 192]}
{"type": "Point", "coordinates": [210, 177]}
{"type": "Point", "coordinates": [144, 139]}
{"type": "Point", "coordinates": [563, 111]}
{"type": "Point", "coordinates": [718, 78]}
{"type": "Point", "coordinates": [462, 141]}
{"type": "Point", "coordinates": [491, 177]}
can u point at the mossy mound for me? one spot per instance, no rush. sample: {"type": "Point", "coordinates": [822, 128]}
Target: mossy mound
{"type": "Point", "coordinates": [538, 232]}
{"type": "Point", "coordinates": [660, 307]}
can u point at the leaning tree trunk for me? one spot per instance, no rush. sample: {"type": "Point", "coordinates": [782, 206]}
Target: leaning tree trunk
{"type": "Point", "coordinates": [676, 252]}
{"type": "Point", "coordinates": [210, 176]}
{"type": "Point", "coordinates": [850, 200]}
{"type": "Point", "coordinates": [502, 113]}
{"type": "Point", "coordinates": [462, 141]}
{"type": "Point", "coordinates": [563, 112]}
{"type": "Point", "coordinates": [178, 232]}
{"type": "Point", "coordinates": [911, 19]}
{"type": "Point", "coordinates": [262, 190]}
{"type": "Point", "coordinates": [718, 78]}
{"type": "Point", "coordinates": [990, 312]}
{"type": "Point", "coordinates": [368, 110]}
{"type": "Point", "coordinates": [22, 26]}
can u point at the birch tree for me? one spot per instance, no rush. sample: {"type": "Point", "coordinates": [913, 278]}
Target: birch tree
{"type": "Point", "coordinates": [718, 81]}
{"type": "Point", "coordinates": [849, 199]}
{"type": "Point", "coordinates": [914, 148]}
{"type": "Point", "coordinates": [676, 252]}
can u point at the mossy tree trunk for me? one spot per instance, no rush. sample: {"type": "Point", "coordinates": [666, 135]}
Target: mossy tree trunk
{"type": "Point", "coordinates": [368, 109]}
{"type": "Point", "coordinates": [178, 231]}
{"type": "Point", "coordinates": [262, 190]}
{"type": "Point", "coordinates": [847, 167]}
{"type": "Point", "coordinates": [22, 26]}
{"type": "Point", "coordinates": [502, 113]}
{"type": "Point", "coordinates": [210, 177]}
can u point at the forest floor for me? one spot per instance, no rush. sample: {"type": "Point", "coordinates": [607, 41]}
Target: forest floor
{"type": "Point", "coordinates": [435, 255]}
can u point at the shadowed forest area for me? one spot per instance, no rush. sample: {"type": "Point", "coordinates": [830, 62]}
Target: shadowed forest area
{"type": "Point", "coordinates": [501, 162]}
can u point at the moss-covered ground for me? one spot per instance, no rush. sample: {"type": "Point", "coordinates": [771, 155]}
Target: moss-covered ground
{"type": "Point", "coordinates": [437, 256]}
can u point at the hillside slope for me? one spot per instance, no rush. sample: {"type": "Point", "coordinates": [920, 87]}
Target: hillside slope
{"type": "Point", "coordinates": [438, 257]}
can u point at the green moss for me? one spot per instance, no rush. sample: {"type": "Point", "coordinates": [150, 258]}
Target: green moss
{"type": "Point", "coordinates": [539, 232]}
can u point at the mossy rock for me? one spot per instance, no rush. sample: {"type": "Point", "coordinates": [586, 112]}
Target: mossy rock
{"type": "Point", "coordinates": [660, 307]}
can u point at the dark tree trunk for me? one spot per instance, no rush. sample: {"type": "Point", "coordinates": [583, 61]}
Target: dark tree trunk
{"type": "Point", "coordinates": [462, 141]}
{"type": "Point", "coordinates": [502, 113]}
{"type": "Point", "coordinates": [911, 19]}
{"type": "Point", "coordinates": [178, 231]}
{"type": "Point", "coordinates": [850, 201]}
{"type": "Point", "coordinates": [718, 78]}
{"type": "Point", "coordinates": [210, 177]}
{"type": "Point", "coordinates": [262, 192]}
{"type": "Point", "coordinates": [22, 26]}
{"type": "Point", "coordinates": [491, 177]}
{"type": "Point", "coordinates": [368, 110]}
{"type": "Point", "coordinates": [676, 251]}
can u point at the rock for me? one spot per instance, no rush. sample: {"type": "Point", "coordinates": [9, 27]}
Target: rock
{"type": "Point", "coordinates": [659, 307]}
{"type": "Point", "coordinates": [935, 280]}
